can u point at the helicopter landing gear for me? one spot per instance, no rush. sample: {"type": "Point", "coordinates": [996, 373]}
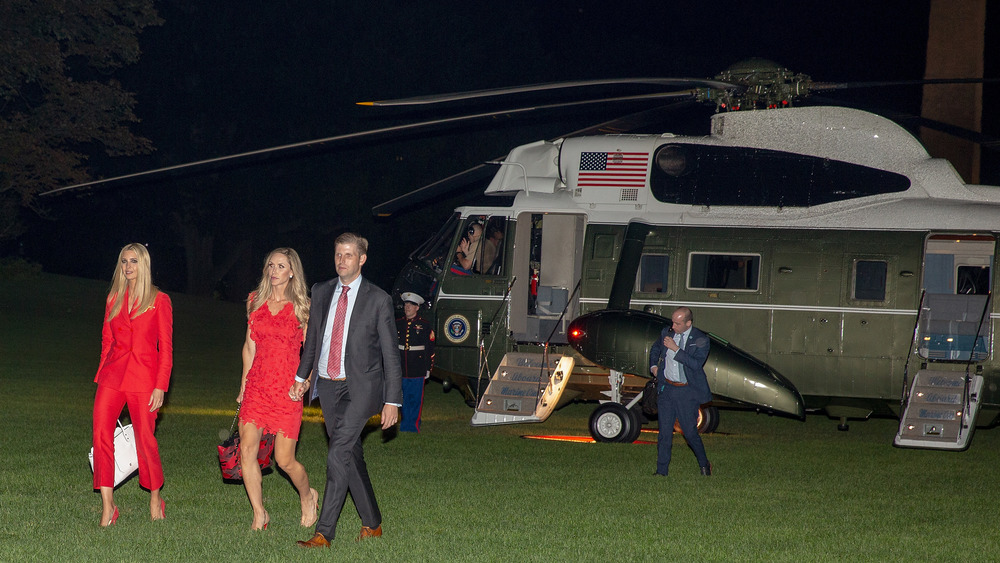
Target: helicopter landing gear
{"type": "Point", "coordinates": [843, 426]}
{"type": "Point", "coordinates": [708, 420]}
{"type": "Point", "coordinates": [612, 422]}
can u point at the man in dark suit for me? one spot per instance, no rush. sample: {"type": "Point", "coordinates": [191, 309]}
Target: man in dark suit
{"type": "Point", "coordinates": [677, 362]}
{"type": "Point", "coordinates": [352, 358]}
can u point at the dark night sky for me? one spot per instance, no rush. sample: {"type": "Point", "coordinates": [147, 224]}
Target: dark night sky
{"type": "Point", "coordinates": [219, 78]}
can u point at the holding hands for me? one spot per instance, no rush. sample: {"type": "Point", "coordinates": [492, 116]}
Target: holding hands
{"type": "Point", "coordinates": [298, 390]}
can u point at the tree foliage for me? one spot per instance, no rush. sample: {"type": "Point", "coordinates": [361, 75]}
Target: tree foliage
{"type": "Point", "coordinates": [58, 100]}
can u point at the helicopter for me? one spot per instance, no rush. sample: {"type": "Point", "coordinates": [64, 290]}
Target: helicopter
{"type": "Point", "coordinates": [821, 248]}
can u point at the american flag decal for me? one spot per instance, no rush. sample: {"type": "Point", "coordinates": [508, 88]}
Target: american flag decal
{"type": "Point", "coordinates": [613, 169]}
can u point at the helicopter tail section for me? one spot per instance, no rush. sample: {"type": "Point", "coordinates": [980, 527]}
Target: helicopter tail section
{"type": "Point", "coordinates": [526, 387]}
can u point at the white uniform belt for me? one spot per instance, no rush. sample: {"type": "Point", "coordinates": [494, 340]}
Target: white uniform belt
{"type": "Point", "coordinates": [421, 347]}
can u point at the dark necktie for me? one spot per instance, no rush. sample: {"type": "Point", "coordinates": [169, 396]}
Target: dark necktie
{"type": "Point", "coordinates": [337, 336]}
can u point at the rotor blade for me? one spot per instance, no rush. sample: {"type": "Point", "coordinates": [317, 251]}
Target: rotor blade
{"type": "Point", "coordinates": [457, 96]}
{"type": "Point", "coordinates": [633, 121]}
{"type": "Point", "coordinates": [440, 188]}
{"type": "Point", "coordinates": [989, 142]}
{"type": "Point", "coordinates": [826, 86]}
{"type": "Point", "coordinates": [484, 171]}
{"type": "Point", "coordinates": [372, 134]}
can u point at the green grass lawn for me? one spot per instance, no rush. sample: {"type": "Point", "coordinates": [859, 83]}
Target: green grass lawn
{"type": "Point", "coordinates": [783, 490]}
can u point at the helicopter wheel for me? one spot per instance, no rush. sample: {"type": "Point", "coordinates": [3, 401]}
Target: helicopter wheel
{"type": "Point", "coordinates": [612, 422]}
{"type": "Point", "coordinates": [636, 427]}
{"type": "Point", "coordinates": [708, 420]}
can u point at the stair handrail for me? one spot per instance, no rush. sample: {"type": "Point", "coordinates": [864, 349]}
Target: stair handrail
{"type": "Point", "coordinates": [504, 304]}
{"type": "Point", "coordinates": [966, 396]}
{"type": "Point", "coordinates": [905, 397]}
{"type": "Point", "coordinates": [545, 350]}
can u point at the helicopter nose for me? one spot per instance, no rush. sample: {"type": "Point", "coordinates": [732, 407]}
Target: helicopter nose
{"type": "Point", "coordinates": [616, 339]}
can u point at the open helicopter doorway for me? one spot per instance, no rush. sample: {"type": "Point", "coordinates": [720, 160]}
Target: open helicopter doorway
{"type": "Point", "coordinates": [955, 322]}
{"type": "Point", "coordinates": [548, 261]}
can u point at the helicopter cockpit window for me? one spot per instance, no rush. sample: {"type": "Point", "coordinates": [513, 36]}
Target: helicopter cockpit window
{"type": "Point", "coordinates": [691, 174]}
{"type": "Point", "coordinates": [653, 273]}
{"type": "Point", "coordinates": [732, 272]}
{"type": "Point", "coordinates": [869, 280]}
{"type": "Point", "coordinates": [434, 252]}
{"type": "Point", "coordinates": [480, 249]}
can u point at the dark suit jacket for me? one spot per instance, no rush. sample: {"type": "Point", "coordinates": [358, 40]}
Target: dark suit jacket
{"type": "Point", "coordinates": [692, 357]}
{"type": "Point", "coordinates": [371, 357]}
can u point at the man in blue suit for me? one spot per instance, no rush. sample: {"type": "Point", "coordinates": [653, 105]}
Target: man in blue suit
{"type": "Point", "coordinates": [677, 362]}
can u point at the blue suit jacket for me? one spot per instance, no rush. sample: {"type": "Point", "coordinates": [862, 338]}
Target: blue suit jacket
{"type": "Point", "coordinates": [692, 357]}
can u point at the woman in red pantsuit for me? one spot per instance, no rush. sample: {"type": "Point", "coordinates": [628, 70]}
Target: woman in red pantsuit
{"type": "Point", "coordinates": [277, 314]}
{"type": "Point", "coordinates": [136, 359]}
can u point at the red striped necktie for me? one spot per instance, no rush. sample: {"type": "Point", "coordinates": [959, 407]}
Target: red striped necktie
{"type": "Point", "coordinates": [337, 336]}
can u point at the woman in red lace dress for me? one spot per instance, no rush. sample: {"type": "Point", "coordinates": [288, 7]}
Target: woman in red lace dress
{"type": "Point", "coordinates": [277, 312]}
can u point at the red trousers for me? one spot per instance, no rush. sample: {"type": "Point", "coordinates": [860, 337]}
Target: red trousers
{"type": "Point", "coordinates": [108, 405]}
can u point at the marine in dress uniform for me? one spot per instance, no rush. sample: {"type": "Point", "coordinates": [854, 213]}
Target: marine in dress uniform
{"type": "Point", "coordinates": [416, 352]}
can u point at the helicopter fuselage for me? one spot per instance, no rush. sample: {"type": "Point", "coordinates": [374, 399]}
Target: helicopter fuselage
{"type": "Point", "coordinates": [804, 238]}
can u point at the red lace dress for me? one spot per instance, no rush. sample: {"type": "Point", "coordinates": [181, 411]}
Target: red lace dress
{"type": "Point", "coordinates": [278, 339]}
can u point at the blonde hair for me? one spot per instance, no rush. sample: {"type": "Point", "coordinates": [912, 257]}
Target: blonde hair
{"type": "Point", "coordinates": [143, 295]}
{"type": "Point", "coordinates": [297, 292]}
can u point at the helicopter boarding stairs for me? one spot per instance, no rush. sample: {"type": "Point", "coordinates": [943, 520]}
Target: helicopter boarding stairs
{"type": "Point", "coordinates": [525, 387]}
{"type": "Point", "coordinates": [941, 404]}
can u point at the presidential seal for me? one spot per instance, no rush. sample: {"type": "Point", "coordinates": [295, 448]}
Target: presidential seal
{"type": "Point", "coordinates": [456, 329]}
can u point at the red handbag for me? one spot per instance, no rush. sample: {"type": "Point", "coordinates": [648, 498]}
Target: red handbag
{"type": "Point", "coordinates": [229, 452]}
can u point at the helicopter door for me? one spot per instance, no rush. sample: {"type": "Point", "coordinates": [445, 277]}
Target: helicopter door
{"type": "Point", "coordinates": [548, 253]}
{"type": "Point", "coordinates": [954, 320]}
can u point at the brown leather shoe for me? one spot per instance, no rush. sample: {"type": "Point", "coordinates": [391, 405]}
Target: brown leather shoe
{"type": "Point", "coordinates": [367, 532]}
{"type": "Point", "coordinates": [316, 541]}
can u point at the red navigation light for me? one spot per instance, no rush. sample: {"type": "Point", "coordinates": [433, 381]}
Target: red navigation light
{"type": "Point", "coordinates": [575, 333]}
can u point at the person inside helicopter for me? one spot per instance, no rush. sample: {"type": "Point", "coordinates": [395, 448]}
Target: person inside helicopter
{"type": "Point", "coordinates": [468, 256]}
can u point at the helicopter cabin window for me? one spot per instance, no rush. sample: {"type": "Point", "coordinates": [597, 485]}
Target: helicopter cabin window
{"type": "Point", "coordinates": [653, 273]}
{"type": "Point", "coordinates": [869, 280]}
{"type": "Point", "coordinates": [732, 272]}
{"type": "Point", "coordinates": [691, 174]}
{"type": "Point", "coordinates": [480, 250]}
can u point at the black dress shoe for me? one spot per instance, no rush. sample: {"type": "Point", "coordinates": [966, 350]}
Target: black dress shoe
{"type": "Point", "coordinates": [707, 471]}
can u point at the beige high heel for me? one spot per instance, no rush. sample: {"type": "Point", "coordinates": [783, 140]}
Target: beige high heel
{"type": "Point", "coordinates": [315, 515]}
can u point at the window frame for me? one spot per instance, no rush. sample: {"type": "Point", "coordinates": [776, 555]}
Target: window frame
{"type": "Point", "coordinates": [752, 255]}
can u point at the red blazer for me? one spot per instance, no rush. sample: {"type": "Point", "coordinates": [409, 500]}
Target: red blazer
{"type": "Point", "coordinates": [138, 354]}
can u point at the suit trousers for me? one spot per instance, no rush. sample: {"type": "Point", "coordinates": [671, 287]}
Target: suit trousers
{"type": "Point", "coordinates": [680, 404]}
{"type": "Point", "coordinates": [108, 405]}
{"type": "Point", "coordinates": [345, 461]}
